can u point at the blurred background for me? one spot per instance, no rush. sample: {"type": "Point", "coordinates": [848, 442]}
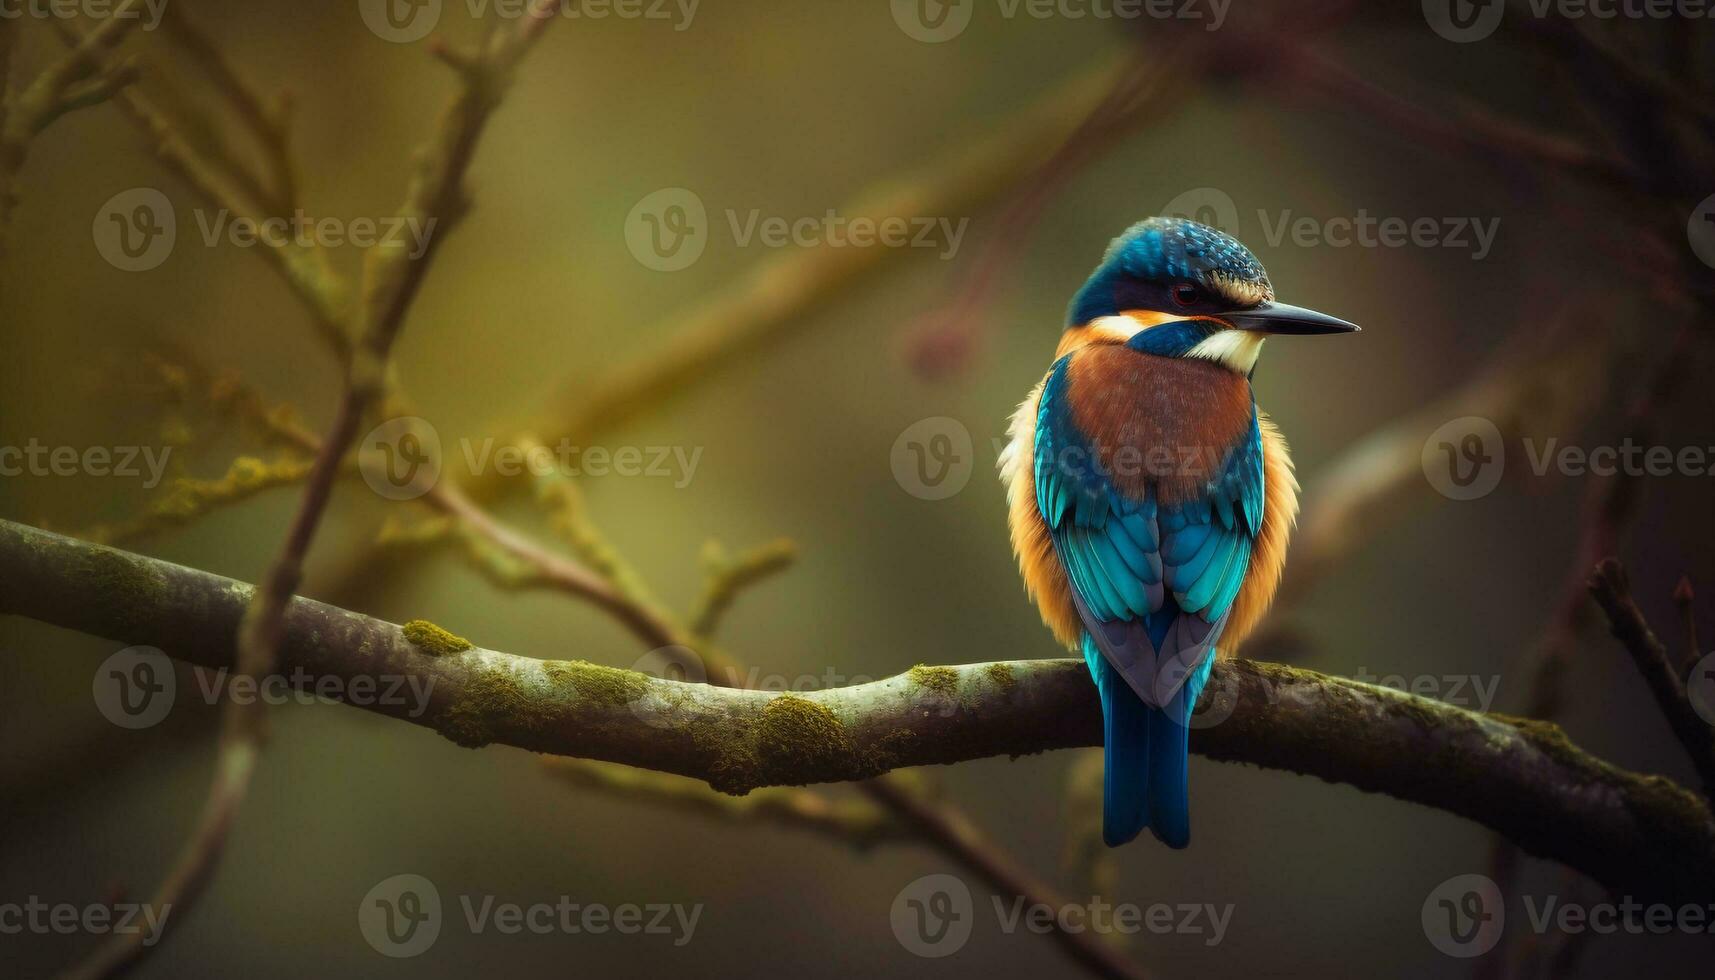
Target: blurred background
{"type": "Point", "coordinates": [805, 368]}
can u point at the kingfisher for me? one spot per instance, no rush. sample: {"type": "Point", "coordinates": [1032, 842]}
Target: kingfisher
{"type": "Point", "coordinates": [1150, 500]}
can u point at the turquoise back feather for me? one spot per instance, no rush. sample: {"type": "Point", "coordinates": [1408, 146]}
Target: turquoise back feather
{"type": "Point", "coordinates": [1153, 585]}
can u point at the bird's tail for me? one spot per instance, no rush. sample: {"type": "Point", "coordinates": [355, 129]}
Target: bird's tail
{"type": "Point", "coordinates": [1146, 780]}
{"type": "Point", "coordinates": [1125, 745]}
{"type": "Point", "coordinates": [1169, 776]}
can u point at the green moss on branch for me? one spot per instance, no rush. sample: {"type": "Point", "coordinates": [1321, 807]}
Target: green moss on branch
{"type": "Point", "coordinates": [433, 639]}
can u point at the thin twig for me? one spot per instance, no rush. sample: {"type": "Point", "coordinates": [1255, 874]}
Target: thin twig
{"type": "Point", "coordinates": [1467, 129]}
{"type": "Point", "coordinates": [78, 78]}
{"type": "Point", "coordinates": [392, 282]}
{"type": "Point", "coordinates": [269, 127]}
{"type": "Point", "coordinates": [225, 185]}
{"type": "Point", "coordinates": [555, 571]}
{"type": "Point", "coordinates": [727, 577]}
{"type": "Point", "coordinates": [1685, 600]}
{"type": "Point", "coordinates": [962, 839]}
{"type": "Point", "coordinates": [1611, 588]}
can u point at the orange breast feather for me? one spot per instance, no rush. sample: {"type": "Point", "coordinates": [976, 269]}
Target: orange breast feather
{"type": "Point", "coordinates": [1153, 422]}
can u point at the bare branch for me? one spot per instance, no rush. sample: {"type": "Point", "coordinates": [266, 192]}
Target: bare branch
{"type": "Point", "coordinates": [965, 841]}
{"type": "Point", "coordinates": [1685, 600]}
{"type": "Point", "coordinates": [1612, 590]}
{"type": "Point", "coordinates": [217, 178]}
{"type": "Point", "coordinates": [1638, 835]}
{"type": "Point", "coordinates": [77, 79]}
{"type": "Point", "coordinates": [554, 571]}
{"type": "Point", "coordinates": [189, 499]}
{"type": "Point", "coordinates": [1468, 129]}
{"type": "Point", "coordinates": [392, 281]}
{"type": "Point", "coordinates": [730, 576]}
{"type": "Point", "coordinates": [268, 126]}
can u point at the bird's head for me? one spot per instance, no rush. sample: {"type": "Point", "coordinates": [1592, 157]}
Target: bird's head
{"type": "Point", "coordinates": [1176, 288]}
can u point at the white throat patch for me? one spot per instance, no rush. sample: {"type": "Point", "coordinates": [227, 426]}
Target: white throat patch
{"type": "Point", "coordinates": [1237, 349]}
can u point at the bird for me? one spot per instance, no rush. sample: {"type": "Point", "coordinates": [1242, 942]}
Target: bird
{"type": "Point", "coordinates": [1149, 500]}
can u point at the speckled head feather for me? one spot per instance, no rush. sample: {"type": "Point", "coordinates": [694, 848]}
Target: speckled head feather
{"type": "Point", "coordinates": [1143, 263]}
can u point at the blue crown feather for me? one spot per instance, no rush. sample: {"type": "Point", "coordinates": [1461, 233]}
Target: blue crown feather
{"type": "Point", "coordinates": [1164, 250]}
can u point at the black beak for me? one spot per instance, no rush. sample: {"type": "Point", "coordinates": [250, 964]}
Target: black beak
{"type": "Point", "coordinates": [1281, 318]}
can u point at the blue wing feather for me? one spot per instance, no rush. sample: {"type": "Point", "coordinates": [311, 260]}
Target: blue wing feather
{"type": "Point", "coordinates": [1153, 585]}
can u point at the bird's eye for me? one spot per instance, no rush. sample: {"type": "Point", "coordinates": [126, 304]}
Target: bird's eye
{"type": "Point", "coordinates": [1185, 294]}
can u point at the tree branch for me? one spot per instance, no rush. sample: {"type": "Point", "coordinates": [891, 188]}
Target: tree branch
{"type": "Point", "coordinates": [1685, 600]}
{"type": "Point", "coordinates": [391, 283]}
{"type": "Point", "coordinates": [1642, 836]}
{"type": "Point", "coordinates": [74, 81]}
{"type": "Point", "coordinates": [856, 823]}
{"type": "Point", "coordinates": [1612, 589]}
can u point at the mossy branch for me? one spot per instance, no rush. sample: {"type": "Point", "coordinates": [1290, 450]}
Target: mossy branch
{"type": "Point", "coordinates": [391, 283]}
{"type": "Point", "coordinates": [1638, 835]}
{"type": "Point", "coordinates": [189, 499]}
